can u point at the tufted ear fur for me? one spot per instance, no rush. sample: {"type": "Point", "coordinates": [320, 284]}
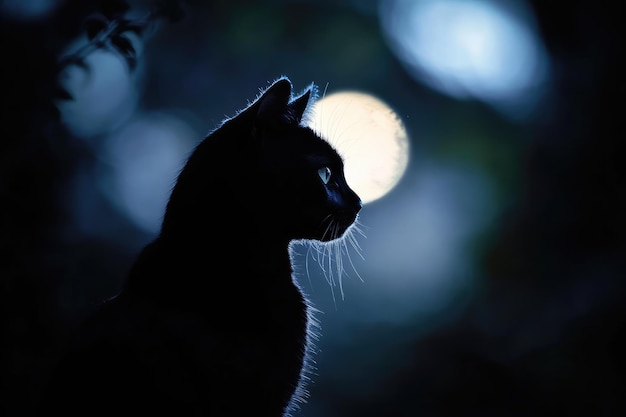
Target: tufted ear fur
{"type": "Point", "coordinates": [273, 108]}
{"type": "Point", "coordinates": [276, 108]}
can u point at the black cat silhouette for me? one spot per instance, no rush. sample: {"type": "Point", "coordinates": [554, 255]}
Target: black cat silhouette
{"type": "Point", "coordinates": [210, 321]}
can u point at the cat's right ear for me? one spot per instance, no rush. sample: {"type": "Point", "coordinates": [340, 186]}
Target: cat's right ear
{"type": "Point", "coordinates": [300, 104]}
{"type": "Point", "coordinates": [273, 108]}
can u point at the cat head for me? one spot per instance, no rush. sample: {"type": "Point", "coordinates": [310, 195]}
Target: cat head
{"type": "Point", "coordinates": [270, 171]}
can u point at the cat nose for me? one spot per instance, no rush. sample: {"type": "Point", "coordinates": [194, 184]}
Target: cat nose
{"type": "Point", "coordinates": [359, 205]}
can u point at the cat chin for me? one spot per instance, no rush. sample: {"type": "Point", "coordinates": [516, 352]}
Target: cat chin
{"type": "Point", "coordinates": [337, 227]}
{"type": "Point", "coordinates": [321, 239]}
{"type": "Point", "coordinates": [333, 237]}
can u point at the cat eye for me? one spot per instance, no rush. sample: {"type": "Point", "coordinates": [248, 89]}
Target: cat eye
{"type": "Point", "coordinates": [324, 174]}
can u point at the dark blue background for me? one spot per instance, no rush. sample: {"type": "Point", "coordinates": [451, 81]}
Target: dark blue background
{"type": "Point", "coordinates": [492, 274]}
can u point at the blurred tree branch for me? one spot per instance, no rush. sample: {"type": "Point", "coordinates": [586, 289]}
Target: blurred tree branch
{"type": "Point", "coordinates": [109, 28]}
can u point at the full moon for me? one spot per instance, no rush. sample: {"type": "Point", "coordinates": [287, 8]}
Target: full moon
{"type": "Point", "coordinates": [369, 136]}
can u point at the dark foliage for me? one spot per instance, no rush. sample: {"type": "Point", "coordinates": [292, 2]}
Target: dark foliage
{"type": "Point", "coordinates": [38, 158]}
{"type": "Point", "coordinates": [108, 28]}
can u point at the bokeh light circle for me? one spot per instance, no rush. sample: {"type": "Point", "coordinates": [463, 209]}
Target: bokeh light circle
{"type": "Point", "coordinates": [470, 49]}
{"type": "Point", "coordinates": [144, 158]}
{"type": "Point", "coordinates": [370, 137]}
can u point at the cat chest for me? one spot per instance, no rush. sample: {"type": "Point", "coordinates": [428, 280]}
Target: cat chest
{"type": "Point", "coordinates": [261, 356]}
{"type": "Point", "coordinates": [271, 342]}
{"type": "Point", "coordinates": [276, 328]}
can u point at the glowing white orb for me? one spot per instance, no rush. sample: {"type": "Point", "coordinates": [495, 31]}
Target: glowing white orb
{"type": "Point", "coordinates": [370, 137]}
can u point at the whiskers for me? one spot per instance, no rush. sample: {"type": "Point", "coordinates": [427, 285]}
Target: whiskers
{"type": "Point", "coordinates": [336, 252]}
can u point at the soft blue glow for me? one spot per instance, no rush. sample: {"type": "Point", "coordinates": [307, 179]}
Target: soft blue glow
{"type": "Point", "coordinates": [468, 48]}
{"type": "Point", "coordinates": [104, 95]}
{"type": "Point", "coordinates": [143, 160]}
{"type": "Point", "coordinates": [28, 9]}
{"type": "Point", "coordinates": [416, 258]}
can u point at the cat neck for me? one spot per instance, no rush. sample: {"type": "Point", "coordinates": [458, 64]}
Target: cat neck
{"type": "Point", "coordinates": [193, 272]}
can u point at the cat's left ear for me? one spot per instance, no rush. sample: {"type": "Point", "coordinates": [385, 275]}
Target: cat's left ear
{"type": "Point", "coordinates": [276, 107]}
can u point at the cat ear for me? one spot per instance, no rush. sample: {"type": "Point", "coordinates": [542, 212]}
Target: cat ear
{"type": "Point", "coordinates": [274, 104]}
{"type": "Point", "coordinates": [299, 105]}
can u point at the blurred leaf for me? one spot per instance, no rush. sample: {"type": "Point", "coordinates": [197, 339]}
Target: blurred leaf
{"type": "Point", "coordinates": [133, 27]}
{"type": "Point", "coordinates": [95, 25]}
{"type": "Point", "coordinates": [125, 47]}
{"type": "Point", "coordinates": [123, 44]}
